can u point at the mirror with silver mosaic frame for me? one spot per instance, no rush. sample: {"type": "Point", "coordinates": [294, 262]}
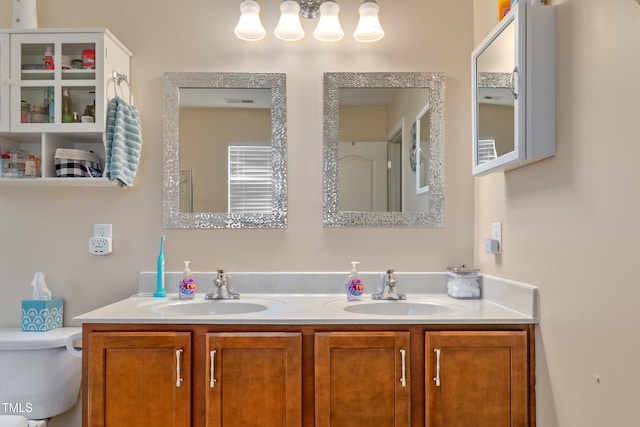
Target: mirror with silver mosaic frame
{"type": "Point", "coordinates": [349, 95]}
{"type": "Point", "coordinates": [215, 159]}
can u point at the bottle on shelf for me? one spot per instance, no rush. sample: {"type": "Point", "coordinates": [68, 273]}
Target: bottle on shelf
{"type": "Point", "coordinates": [503, 8]}
{"type": "Point", "coordinates": [49, 104]}
{"type": "Point", "coordinates": [67, 107]}
{"type": "Point", "coordinates": [48, 58]}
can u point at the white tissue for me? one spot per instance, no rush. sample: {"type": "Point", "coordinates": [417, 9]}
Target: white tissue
{"type": "Point", "coordinates": [40, 290]}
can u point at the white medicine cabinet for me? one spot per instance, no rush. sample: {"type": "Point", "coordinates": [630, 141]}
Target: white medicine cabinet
{"type": "Point", "coordinates": [513, 90]}
{"type": "Point", "coordinates": [55, 85]}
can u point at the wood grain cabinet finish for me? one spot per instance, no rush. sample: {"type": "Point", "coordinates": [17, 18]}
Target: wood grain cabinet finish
{"type": "Point", "coordinates": [181, 375]}
{"type": "Point", "coordinates": [254, 380]}
{"type": "Point", "coordinates": [139, 379]}
{"type": "Point", "coordinates": [476, 379]}
{"type": "Point", "coordinates": [362, 379]}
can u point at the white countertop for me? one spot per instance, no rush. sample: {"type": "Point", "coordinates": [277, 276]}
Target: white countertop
{"type": "Point", "coordinates": [504, 302]}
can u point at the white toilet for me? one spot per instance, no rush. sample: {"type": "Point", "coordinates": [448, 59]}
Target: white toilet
{"type": "Point", "coordinates": [40, 374]}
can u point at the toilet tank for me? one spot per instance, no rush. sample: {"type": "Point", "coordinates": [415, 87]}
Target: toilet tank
{"type": "Point", "coordinates": [39, 377]}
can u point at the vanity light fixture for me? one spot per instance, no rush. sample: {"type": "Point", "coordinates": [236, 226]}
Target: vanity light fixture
{"type": "Point", "coordinates": [250, 27]}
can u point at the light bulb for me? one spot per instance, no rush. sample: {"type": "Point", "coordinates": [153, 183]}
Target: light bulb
{"type": "Point", "coordinates": [329, 29]}
{"type": "Point", "coordinates": [289, 28]}
{"type": "Point", "coordinates": [369, 28]}
{"type": "Point", "coordinates": [249, 27]}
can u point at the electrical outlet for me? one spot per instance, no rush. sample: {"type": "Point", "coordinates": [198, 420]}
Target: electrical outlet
{"type": "Point", "coordinates": [102, 230]}
{"type": "Point", "coordinates": [100, 243]}
{"type": "Point", "coordinates": [100, 246]}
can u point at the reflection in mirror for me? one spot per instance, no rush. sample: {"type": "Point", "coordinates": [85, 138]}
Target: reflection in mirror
{"type": "Point", "coordinates": [369, 179]}
{"type": "Point", "coordinates": [228, 161]}
{"type": "Point", "coordinates": [495, 68]}
{"type": "Point", "coordinates": [224, 150]}
{"type": "Point", "coordinates": [422, 149]}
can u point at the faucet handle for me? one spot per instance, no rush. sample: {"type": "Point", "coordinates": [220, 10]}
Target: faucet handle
{"type": "Point", "coordinates": [390, 278]}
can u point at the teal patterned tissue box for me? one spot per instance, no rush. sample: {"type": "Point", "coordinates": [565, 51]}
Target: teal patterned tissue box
{"type": "Point", "coordinates": [42, 315]}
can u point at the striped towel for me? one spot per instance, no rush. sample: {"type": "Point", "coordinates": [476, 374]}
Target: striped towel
{"type": "Point", "coordinates": [123, 142]}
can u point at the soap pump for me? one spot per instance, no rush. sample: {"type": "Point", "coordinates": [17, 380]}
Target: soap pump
{"type": "Point", "coordinates": [354, 286]}
{"type": "Point", "coordinates": [186, 285]}
{"type": "Point", "coordinates": [160, 292]}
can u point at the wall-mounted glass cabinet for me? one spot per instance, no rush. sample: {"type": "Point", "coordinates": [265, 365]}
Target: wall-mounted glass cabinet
{"type": "Point", "coordinates": [55, 85]}
{"type": "Point", "coordinates": [513, 90]}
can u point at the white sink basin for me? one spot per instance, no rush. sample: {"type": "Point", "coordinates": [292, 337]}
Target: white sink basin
{"type": "Point", "coordinates": [207, 308]}
{"type": "Point", "coordinates": [201, 308]}
{"type": "Point", "coordinates": [399, 308]}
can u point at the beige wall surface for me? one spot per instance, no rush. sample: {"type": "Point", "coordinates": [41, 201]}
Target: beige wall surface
{"type": "Point", "coordinates": [362, 124]}
{"type": "Point", "coordinates": [208, 133]}
{"type": "Point", "coordinates": [47, 229]}
{"type": "Point", "coordinates": [570, 223]}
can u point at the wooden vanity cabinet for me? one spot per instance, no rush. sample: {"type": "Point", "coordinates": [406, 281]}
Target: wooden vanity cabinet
{"type": "Point", "coordinates": [308, 375]}
{"type": "Point", "coordinates": [138, 378]}
{"type": "Point", "coordinates": [362, 379]}
{"type": "Point", "coordinates": [477, 379]}
{"type": "Point", "coordinates": [254, 379]}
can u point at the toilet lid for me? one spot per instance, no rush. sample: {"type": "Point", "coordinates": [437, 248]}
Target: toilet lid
{"type": "Point", "coordinates": [13, 421]}
{"type": "Point", "coordinates": [17, 339]}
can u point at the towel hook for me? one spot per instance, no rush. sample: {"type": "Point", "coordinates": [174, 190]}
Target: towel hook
{"type": "Point", "coordinates": [119, 78]}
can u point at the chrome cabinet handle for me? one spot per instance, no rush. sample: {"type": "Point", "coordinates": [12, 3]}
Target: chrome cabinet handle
{"type": "Point", "coordinates": [437, 378]}
{"type": "Point", "coordinates": [513, 83]}
{"type": "Point", "coordinates": [212, 368]}
{"type": "Point", "coordinates": [403, 380]}
{"type": "Point", "coordinates": [179, 368]}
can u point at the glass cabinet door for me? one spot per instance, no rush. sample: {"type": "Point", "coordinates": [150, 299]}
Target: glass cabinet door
{"type": "Point", "coordinates": [513, 95]}
{"type": "Point", "coordinates": [4, 82]}
{"type": "Point", "coordinates": [496, 74]}
{"type": "Point", "coordinates": [55, 80]}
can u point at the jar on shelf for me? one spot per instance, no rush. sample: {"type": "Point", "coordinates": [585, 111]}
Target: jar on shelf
{"type": "Point", "coordinates": [39, 114]}
{"type": "Point", "coordinates": [25, 112]}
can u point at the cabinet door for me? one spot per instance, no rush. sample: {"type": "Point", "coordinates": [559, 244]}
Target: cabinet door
{"type": "Point", "coordinates": [4, 82]}
{"type": "Point", "coordinates": [48, 88]}
{"type": "Point", "coordinates": [513, 95]}
{"type": "Point", "coordinates": [476, 379]}
{"type": "Point", "coordinates": [139, 379]}
{"type": "Point", "coordinates": [362, 379]}
{"type": "Point", "coordinates": [254, 380]}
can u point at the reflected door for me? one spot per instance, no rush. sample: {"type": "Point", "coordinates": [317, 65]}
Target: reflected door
{"type": "Point", "coordinates": [362, 176]}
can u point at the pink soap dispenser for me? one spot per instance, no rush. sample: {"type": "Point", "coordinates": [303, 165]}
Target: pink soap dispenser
{"type": "Point", "coordinates": [354, 286]}
{"type": "Point", "coordinates": [186, 285]}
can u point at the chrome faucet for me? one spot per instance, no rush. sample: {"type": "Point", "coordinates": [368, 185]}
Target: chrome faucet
{"type": "Point", "coordinates": [389, 288]}
{"type": "Point", "coordinates": [222, 289]}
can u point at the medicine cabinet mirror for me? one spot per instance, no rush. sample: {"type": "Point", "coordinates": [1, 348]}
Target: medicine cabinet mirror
{"type": "Point", "coordinates": [225, 159]}
{"type": "Point", "coordinates": [379, 168]}
{"type": "Point", "coordinates": [513, 96]}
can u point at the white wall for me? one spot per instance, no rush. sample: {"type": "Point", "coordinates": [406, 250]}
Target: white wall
{"type": "Point", "coordinates": [570, 223]}
{"type": "Point", "coordinates": [47, 229]}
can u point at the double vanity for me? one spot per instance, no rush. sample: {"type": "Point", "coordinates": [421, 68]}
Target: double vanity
{"type": "Point", "coordinates": [292, 351]}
